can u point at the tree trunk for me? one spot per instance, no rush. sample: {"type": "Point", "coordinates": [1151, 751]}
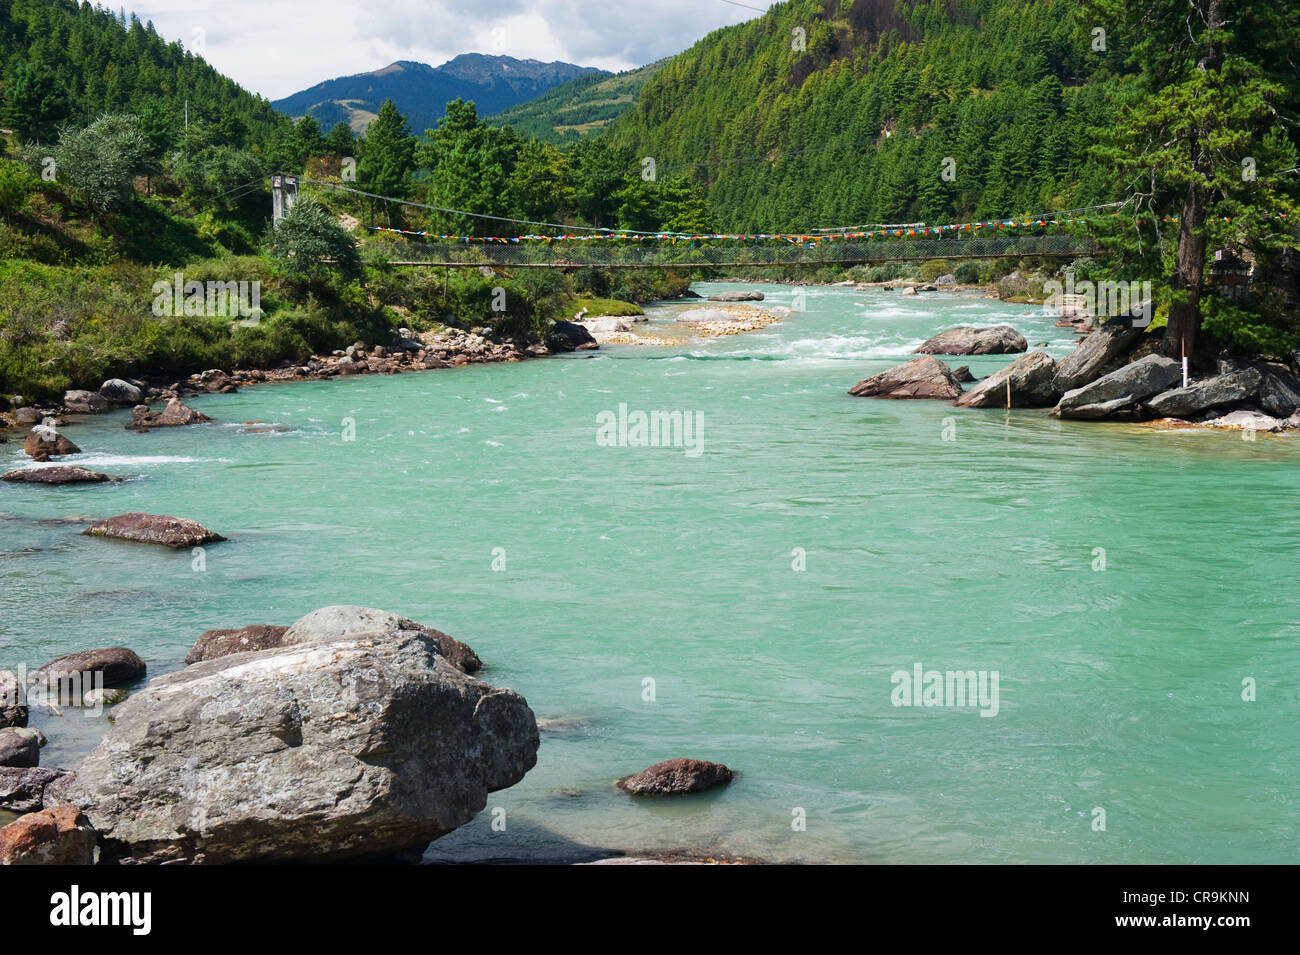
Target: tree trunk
{"type": "Point", "coordinates": [1185, 315]}
{"type": "Point", "coordinates": [1189, 273]}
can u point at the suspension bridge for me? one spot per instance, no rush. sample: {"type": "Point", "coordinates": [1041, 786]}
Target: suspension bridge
{"type": "Point", "coordinates": [731, 253]}
{"type": "Point", "coordinates": [578, 247]}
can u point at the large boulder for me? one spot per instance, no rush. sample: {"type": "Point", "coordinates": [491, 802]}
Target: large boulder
{"type": "Point", "coordinates": [22, 789]}
{"type": "Point", "coordinates": [359, 746]}
{"type": "Point", "coordinates": [1103, 351]}
{"type": "Point", "coordinates": [13, 700]}
{"type": "Point", "coordinates": [119, 392]}
{"type": "Point", "coordinates": [219, 643]}
{"type": "Point", "coordinates": [737, 297]}
{"type": "Point", "coordinates": [1030, 377]}
{"type": "Point", "coordinates": [329, 622]}
{"type": "Point", "coordinates": [675, 777]}
{"type": "Point", "coordinates": [1278, 391]}
{"type": "Point", "coordinates": [43, 443]}
{"type": "Point", "coordinates": [110, 666]}
{"type": "Point", "coordinates": [1203, 395]}
{"type": "Point", "coordinates": [570, 336]}
{"type": "Point", "coordinates": [174, 415]}
{"type": "Point", "coordinates": [923, 377]}
{"type": "Point", "coordinates": [63, 474]}
{"type": "Point", "coordinates": [58, 836]}
{"type": "Point", "coordinates": [20, 747]}
{"type": "Point", "coordinates": [1121, 390]}
{"type": "Point", "coordinates": [85, 402]}
{"type": "Point", "coordinates": [177, 533]}
{"type": "Point", "coordinates": [969, 340]}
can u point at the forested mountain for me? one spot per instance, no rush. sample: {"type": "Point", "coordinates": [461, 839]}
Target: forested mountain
{"type": "Point", "coordinates": [65, 63]}
{"type": "Point", "coordinates": [827, 113]}
{"type": "Point", "coordinates": [578, 108]}
{"type": "Point", "coordinates": [422, 92]}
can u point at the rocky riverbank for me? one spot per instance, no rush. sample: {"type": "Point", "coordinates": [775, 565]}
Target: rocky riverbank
{"type": "Point", "coordinates": [406, 352]}
{"type": "Point", "coordinates": [1115, 374]}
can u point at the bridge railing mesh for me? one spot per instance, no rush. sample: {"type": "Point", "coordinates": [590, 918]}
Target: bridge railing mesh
{"type": "Point", "coordinates": [666, 253]}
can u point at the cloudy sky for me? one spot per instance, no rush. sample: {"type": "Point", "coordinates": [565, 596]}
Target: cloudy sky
{"type": "Point", "coordinates": [277, 47]}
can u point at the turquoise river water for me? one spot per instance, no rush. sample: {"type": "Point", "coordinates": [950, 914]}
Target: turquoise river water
{"type": "Point", "coordinates": [770, 587]}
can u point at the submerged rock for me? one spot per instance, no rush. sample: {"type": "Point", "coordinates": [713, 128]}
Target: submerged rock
{"type": "Point", "coordinates": [923, 377]}
{"type": "Point", "coordinates": [116, 665]}
{"type": "Point", "coordinates": [1121, 390]}
{"type": "Point", "coordinates": [336, 621]}
{"type": "Point", "coordinates": [176, 414]}
{"type": "Point", "coordinates": [177, 533]}
{"type": "Point", "coordinates": [349, 747]}
{"type": "Point", "coordinates": [969, 340]}
{"type": "Point", "coordinates": [1030, 377]}
{"type": "Point", "coordinates": [63, 474]}
{"type": "Point", "coordinates": [219, 643]}
{"type": "Point", "coordinates": [1102, 352]}
{"type": "Point", "coordinates": [58, 836]}
{"type": "Point", "coordinates": [676, 776]}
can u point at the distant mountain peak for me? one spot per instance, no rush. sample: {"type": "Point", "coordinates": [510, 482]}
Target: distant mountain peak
{"type": "Point", "coordinates": [421, 92]}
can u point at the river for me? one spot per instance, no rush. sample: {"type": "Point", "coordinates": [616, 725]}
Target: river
{"type": "Point", "coordinates": [1120, 582]}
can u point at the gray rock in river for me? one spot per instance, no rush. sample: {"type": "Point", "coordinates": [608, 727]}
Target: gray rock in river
{"type": "Point", "coordinates": [61, 474]}
{"type": "Point", "coordinates": [923, 377]}
{"type": "Point", "coordinates": [111, 666]}
{"type": "Point", "coordinates": [176, 414]}
{"type": "Point", "coordinates": [569, 336]}
{"type": "Point", "coordinates": [22, 789]}
{"type": "Point", "coordinates": [119, 392]}
{"type": "Point", "coordinates": [675, 777]}
{"type": "Point", "coordinates": [351, 747]}
{"type": "Point", "coordinates": [44, 442]}
{"type": "Point", "coordinates": [969, 340]}
{"type": "Point", "coordinates": [1030, 377]}
{"type": "Point", "coordinates": [1103, 351]}
{"type": "Point", "coordinates": [1200, 396]}
{"type": "Point", "coordinates": [1121, 390]}
{"type": "Point", "coordinates": [1278, 391]}
{"type": "Point", "coordinates": [213, 644]}
{"type": "Point", "coordinates": [85, 402]}
{"type": "Point", "coordinates": [20, 747]}
{"type": "Point", "coordinates": [177, 533]}
{"type": "Point", "coordinates": [13, 700]}
{"type": "Point", "coordinates": [336, 621]}
{"type": "Point", "coordinates": [737, 297]}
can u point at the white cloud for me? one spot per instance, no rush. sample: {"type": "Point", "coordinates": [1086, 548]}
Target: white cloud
{"type": "Point", "coordinates": [277, 47]}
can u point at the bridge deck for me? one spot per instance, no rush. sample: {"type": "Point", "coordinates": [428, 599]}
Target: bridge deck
{"type": "Point", "coordinates": [661, 254]}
